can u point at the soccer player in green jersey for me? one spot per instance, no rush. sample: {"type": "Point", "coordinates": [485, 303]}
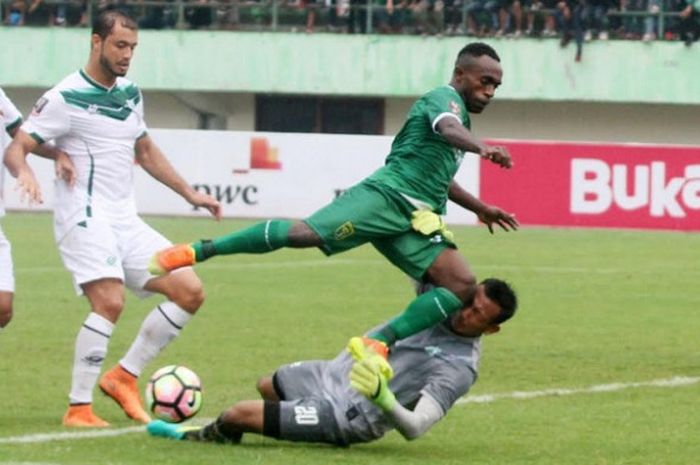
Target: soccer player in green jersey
{"type": "Point", "coordinates": [397, 209]}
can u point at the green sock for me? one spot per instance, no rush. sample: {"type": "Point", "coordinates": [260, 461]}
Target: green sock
{"type": "Point", "coordinates": [259, 238]}
{"type": "Point", "coordinates": [424, 311]}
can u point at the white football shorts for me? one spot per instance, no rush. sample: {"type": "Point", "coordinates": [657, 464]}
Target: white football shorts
{"type": "Point", "coordinates": [7, 277]}
{"type": "Point", "coordinates": [100, 248]}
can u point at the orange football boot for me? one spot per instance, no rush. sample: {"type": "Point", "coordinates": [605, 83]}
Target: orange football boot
{"type": "Point", "coordinates": [121, 386]}
{"type": "Point", "coordinates": [82, 416]}
{"type": "Point", "coordinates": [171, 259]}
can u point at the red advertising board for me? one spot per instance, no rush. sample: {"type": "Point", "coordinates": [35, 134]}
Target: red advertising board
{"type": "Point", "coordinates": [597, 185]}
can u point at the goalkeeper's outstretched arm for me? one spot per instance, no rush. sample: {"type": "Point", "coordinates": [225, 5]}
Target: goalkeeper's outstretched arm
{"type": "Point", "coordinates": [366, 378]}
{"type": "Point", "coordinates": [414, 423]}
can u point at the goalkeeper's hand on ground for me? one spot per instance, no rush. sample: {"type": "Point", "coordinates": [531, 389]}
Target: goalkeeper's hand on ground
{"type": "Point", "coordinates": [367, 379]}
{"type": "Point", "coordinates": [427, 223]}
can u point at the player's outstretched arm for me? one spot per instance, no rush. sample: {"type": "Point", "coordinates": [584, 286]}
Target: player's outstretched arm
{"type": "Point", "coordinates": [152, 159]}
{"type": "Point", "coordinates": [462, 138]}
{"type": "Point", "coordinates": [16, 162]}
{"type": "Point", "coordinates": [488, 214]}
{"type": "Point", "coordinates": [366, 378]}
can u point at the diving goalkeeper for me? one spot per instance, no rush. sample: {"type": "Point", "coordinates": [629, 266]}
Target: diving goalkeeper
{"type": "Point", "coordinates": [349, 400]}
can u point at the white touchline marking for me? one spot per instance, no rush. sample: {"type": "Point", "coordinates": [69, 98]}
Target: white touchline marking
{"type": "Point", "coordinates": [68, 435]}
{"type": "Point", "coordinates": [46, 437]}
{"type": "Point", "coordinates": [676, 381]}
{"type": "Point", "coordinates": [29, 463]}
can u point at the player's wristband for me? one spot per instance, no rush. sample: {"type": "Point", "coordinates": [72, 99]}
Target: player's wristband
{"type": "Point", "coordinates": [384, 399]}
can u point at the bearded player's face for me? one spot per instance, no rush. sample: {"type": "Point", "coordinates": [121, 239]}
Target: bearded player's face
{"type": "Point", "coordinates": [117, 49]}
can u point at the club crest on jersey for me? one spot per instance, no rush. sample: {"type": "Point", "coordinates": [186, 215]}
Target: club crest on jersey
{"type": "Point", "coordinates": [455, 108]}
{"type": "Point", "coordinates": [344, 231]}
{"type": "Point", "coordinates": [39, 105]}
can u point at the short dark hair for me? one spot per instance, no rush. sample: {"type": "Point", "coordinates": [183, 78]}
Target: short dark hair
{"type": "Point", "coordinates": [477, 49]}
{"type": "Point", "coordinates": [503, 295]}
{"type": "Point", "coordinates": [105, 21]}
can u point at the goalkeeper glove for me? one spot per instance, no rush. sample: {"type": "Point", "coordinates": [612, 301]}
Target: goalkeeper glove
{"type": "Point", "coordinates": [366, 378]}
{"type": "Point", "coordinates": [428, 223]}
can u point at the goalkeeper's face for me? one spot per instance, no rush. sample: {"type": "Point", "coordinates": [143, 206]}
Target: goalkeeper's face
{"type": "Point", "coordinates": [477, 318]}
{"type": "Point", "coordinates": [117, 49]}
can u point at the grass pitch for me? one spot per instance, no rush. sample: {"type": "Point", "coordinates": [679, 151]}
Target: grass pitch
{"type": "Point", "coordinates": [597, 307]}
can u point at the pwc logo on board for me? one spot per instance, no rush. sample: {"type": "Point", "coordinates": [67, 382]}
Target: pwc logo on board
{"type": "Point", "coordinates": [596, 186]}
{"type": "Point", "coordinates": [262, 156]}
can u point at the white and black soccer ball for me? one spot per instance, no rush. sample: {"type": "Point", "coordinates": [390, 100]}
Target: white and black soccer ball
{"type": "Point", "coordinates": [174, 394]}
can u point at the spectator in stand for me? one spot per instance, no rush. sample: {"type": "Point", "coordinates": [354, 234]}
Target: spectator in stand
{"type": "Point", "coordinates": [689, 26]}
{"type": "Point", "coordinates": [570, 19]}
{"type": "Point", "coordinates": [633, 25]}
{"type": "Point", "coordinates": [228, 15]}
{"type": "Point", "coordinates": [595, 15]}
{"type": "Point", "coordinates": [429, 14]}
{"type": "Point", "coordinates": [199, 16]}
{"type": "Point", "coordinates": [453, 16]}
{"type": "Point", "coordinates": [512, 9]}
{"type": "Point", "coordinates": [541, 11]}
{"type": "Point", "coordinates": [157, 17]}
{"type": "Point", "coordinates": [651, 22]}
{"type": "Point", "coordinates": [388, 16]}
{"type": "Point", "coordinates": [14, 13]}
{"type": "Point", "coordinates": [482, 17]}
{"type": "Point", "coordinates": [38, 13]}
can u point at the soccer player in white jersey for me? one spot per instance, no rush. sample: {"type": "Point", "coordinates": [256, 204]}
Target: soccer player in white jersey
{"type": "Point", "coordinates": [344, 402]}
{"type": "Point", "coordinates": [96, 116]}
{"type": "Point", "coordinates": [11, 119]}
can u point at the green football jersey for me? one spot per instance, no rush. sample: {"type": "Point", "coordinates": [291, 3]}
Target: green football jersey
{"type": "Point", "coordinates": [422, 163]}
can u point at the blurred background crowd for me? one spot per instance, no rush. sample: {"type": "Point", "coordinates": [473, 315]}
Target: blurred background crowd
{"type": "Point", "coordinates": [564, 20]}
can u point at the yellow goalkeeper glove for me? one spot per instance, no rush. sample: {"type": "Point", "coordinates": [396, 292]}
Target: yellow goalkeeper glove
{"type": "Point", "coordinates": [366, 378]}
{"type": "Point", "coordinates": [428, 223]}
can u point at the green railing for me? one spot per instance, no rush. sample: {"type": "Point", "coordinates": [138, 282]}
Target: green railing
{"type": "Point", "coordinates": [274, 15]}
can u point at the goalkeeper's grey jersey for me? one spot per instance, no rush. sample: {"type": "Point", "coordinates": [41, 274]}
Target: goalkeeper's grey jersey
{"type": "Point", "coordinates": [435, 361]}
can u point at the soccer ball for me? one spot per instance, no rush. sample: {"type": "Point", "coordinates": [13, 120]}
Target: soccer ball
{"type": "Point", "coordinates": [174, 394]}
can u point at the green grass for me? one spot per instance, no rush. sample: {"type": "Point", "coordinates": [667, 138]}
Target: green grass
{"type": "Point", "coordinates": [597, 307]}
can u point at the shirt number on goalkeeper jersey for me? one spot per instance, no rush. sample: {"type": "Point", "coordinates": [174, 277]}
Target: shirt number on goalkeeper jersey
{"type": "Point", "coordinates": [305, 415]}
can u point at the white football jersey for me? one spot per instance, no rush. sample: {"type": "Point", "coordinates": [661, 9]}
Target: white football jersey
{"type": "Point", "coordinates": [98, 128]}
{"type": "Point", "coordinates": [11, 118]}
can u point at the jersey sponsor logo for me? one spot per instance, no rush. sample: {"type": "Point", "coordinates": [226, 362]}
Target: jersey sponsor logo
{"type": "Point", "coordinates": [433, 351]}
{"type": "Point", "coordinates": [344, 231]}
{"type": "Point", "coordinates": [596, 187]}
{"type": "Point", "coordinates": [39, 105]}
{"type": "Point", "coordinates": [263, 156]}
{"type": "Point", "coordinates": [307, 416]}
{"type": "Point", "coordinates": [92, 108]}
{"type": "Point", "coordinates": [455, 108]}
{"type": "Point", "coordinates": [437, 239]}
{"type": "Point", "coordinates": [248, 194]}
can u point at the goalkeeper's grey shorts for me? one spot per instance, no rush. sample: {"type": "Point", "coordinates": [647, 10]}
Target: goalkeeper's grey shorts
{"type": "Point", "coordinates": [303, 414]}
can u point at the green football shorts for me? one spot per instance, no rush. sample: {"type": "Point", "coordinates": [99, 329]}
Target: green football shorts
{"type": "Point", "coordinates": [371, 212]}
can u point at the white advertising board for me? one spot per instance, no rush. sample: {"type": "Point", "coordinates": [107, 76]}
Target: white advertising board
{"type": "Point", "coordinates": [258, 175]}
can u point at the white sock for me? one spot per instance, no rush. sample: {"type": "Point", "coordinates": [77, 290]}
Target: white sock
{"type": "Point", "coordinates": [90, 352]}
{"type": "Point", "coordinates": [158, 329]}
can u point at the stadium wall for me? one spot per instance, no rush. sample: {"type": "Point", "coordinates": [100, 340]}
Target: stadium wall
{"type": "Point", "coordinates": [362, 65]}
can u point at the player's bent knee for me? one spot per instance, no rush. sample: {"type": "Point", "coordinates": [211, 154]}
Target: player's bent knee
{"type": "Point", "coordinates": [188, 294]}
{"type": "Point", "coordinates": [266, 388]}
{"type": "Point", "coordinates": [190, 299]}
{"type": "Point", "coordinates": [109, 306]}
{"type": "Point", "coordinates": [5, 316]}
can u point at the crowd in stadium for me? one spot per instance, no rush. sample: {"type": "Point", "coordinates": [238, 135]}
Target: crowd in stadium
{"type": "Point", "coordinates": [645, 20]}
